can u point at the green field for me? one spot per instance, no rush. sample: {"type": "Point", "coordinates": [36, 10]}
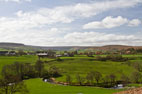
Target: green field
{"type": "Point", "coordinates": [72, 66]}
{"type": "Point", "coordinates": [83, 66]}
{"type": "Point", "coordinates": [37, 86]}
{"type": "Point", "coordinates": [4, 60]}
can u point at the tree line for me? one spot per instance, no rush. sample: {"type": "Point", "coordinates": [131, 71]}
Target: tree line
{"type": "Point", "coordinates": [13, 76]}
{"type": "Point", "coordinates": [95, 78]}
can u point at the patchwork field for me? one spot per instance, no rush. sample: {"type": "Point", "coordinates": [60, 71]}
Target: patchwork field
{"type": "Point", "coordinates": [72, 66]}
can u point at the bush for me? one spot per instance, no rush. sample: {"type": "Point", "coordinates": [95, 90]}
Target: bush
{"type": "Point", "coordinates": [54, 71]}
{"type": "Point", "coordinates": [112, 57]}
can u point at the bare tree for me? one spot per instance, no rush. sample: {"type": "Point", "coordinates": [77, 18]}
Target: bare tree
{"type": "Point", "coordinates": [138, 66]}
{"type": "Point", "coordinates": [125, 79]}
{"type": "Point", "coordinates": [12, 84]}
{"type": "Point", "coordinates": [97, 76]}
{"type": "Point", "coordinates": [80, 79]}
{"type": "Point", "coordinates": [136, 76]}
{"type": "Point", "coordinates": [68, 79]}
{"type": "Point", "coordinates": [112, 78]}
{"type": "Point", "coordinates": [90, 78]}
{"type": "Point", "coordinates": [39, 66]}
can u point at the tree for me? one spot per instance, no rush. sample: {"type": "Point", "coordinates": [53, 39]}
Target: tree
{"type": "Point", "coordinates": [90, 78]}
{"type": "Point", "coordinates": [54, 71]}
{"type": "Point", "coordinates": [125, 79]}
{"type": "Point", "coordinates": [21, 52]}
{"type": "Point", "coordinates": [39, 66]}
{"type": "Point", "coordinates": [12, 84]}
{"type": "Point", "coordinates": [80, 79]}
{"type": "Point", "coordinates": [112, 78]}
{"type": "Point", "coordinates": [100, 58]}
{"type": "Point", "coordinates": [58, 59]}
{"type": "Point", "coordinates": [136, 76]}
{"type": "Point", "coordinates": [19, 69]}
{"type": "Point", "coordinates": [24, 71]}
{"type": "Point", "coordinates": [115, 57]}
{"type": "Point", "coordinates": [138, 66]}
{"type": "Point", "coordinates": [29, 71]}
{"type": "Point", "coordinates": [68, 79]}
{"type": "Point", "coordinates": [97, 76]}
{"type": "Point", "coordinates": [106, 79]}
{"type": "Point", "coordinates": [14, 69]}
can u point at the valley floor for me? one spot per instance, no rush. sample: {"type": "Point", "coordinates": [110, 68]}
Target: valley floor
{"type": "Point", "coordinates": [37, 86]}
{"type": "Point", "coordinates": [72, 66]}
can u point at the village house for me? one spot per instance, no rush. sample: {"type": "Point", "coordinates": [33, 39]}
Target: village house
{"type": "Point", "coordinates": [66, 54]}
{"type": "Point", "coordinates": [44, 54]}
{"type": "Point", "coordinates": [12, 53]}
{"type": "Point", "coordinates": [58, 55]}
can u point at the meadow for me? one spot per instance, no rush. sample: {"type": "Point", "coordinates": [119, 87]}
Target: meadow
{"type": "Point", "coordinates": [37, 86]}
{"type": "Point", "coordinates": [79, 66]}
{"type": "Point", "coordinates": [72, 66]}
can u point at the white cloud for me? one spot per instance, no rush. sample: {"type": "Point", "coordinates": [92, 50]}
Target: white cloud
{"type": "Point", "coordinates": [96, 38]}
{"type": "Point", "coordinates": [15, 1]}
{"type": "Point", "coordinates": [111, 22]}
{"type": "Point", "coordinates": [134, 22]}
{"type": "Point", "coordinates": [67, 14]}
{"type": "Point", "coordinates": [58, 37]}
{"type": "Point", "coordinates": [62, 14]}
{"type": "Point", "coordinates": [32, 36]}
{"type": "Point", "coordinates": [70, 13]}
{"type": "Point", "coordinates": [108, 22]}
{"type": "Point", "coordinates": [27, 27]}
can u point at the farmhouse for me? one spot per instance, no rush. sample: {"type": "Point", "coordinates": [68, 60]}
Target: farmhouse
{"type": "Point", "coordinates": [69, 54]}
{"type": "Point", "coordinates": [58, 55]}
{"type": "Point", "coordinates": [46, 54]}
{"type": "Point", "coordinates": [42, 55]}
{"type": "Point", "coordinates": [66, 54]}
{"type": "Point", "coordinates": [11, 53]}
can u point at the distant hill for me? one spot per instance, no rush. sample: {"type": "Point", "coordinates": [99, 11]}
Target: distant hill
{"type": "Point", "coordinates": [118, 47]}
{"type": "Point", "coordinates": [3, 44]}
{"type": "Point", "coordinates": [15, 46]}
{"type": "Point", "coordinates": [19, 46]}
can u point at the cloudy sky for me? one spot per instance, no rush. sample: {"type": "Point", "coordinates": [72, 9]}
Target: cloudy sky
{"type": "Point", "coordinates": [71, 22]}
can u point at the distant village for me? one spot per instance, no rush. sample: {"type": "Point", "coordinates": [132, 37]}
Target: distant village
{"type": "Point", "coordinates": [54, 54]}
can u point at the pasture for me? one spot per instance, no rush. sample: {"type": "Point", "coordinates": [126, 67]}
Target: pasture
{"type": "Point", "coordinates": [72, 66]}
{"type": "Point", "coordinates": [37, 86]}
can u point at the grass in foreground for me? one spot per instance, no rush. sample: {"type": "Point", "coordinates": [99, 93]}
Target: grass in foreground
{"type": "Point", "coordinates": [37, 86]}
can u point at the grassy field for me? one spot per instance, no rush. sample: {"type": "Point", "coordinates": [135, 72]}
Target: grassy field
{"type": "Point", "coordinates": [37, 86]}
{"type": "Point", "coordinates": [4, 60]}
{"type": "Point", "coordinates": [83, 66]}
{"type": "Point", "coordinates": [72, 66]}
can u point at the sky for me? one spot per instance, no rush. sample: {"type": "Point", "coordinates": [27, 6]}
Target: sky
{"type": "Point", "coordinates": [71, 22]}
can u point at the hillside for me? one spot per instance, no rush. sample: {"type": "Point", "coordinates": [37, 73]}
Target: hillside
{"type": "Point", "coordinates": [2, 44]}
{"type": "Point", "coordinates": [19, 46]}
